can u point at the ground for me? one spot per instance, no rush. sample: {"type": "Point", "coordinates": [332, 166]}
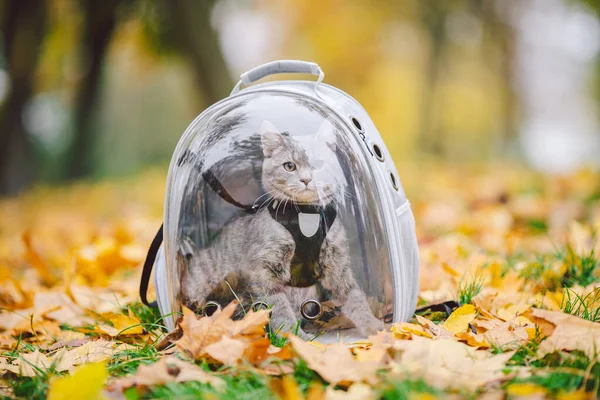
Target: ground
{"type": "Point", "coordinates": [513, 253]}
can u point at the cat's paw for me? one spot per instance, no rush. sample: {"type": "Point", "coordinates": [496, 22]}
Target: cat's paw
{"type": "Point", "coordinates": [372, 327]}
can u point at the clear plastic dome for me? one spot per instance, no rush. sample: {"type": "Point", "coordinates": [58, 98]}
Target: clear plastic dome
{"type": "Point", "coordinates": [273, 201]}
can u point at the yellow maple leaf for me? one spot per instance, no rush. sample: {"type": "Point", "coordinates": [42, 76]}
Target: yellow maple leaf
{"type": "Point", "coordinates": [525, 389]}
{"type": "Point", "coordinates": [578, 395]}
{"type": "Point", "coordinates": [86, 383]}
{"type": "Point", "coordinates": [406, 328]}
{"type": "Point", "coordinates": [123, 325]}
{"type": "Point", "coordinates": [459, 320]}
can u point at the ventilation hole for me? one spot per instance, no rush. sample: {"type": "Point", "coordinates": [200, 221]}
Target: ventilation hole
{"type": "Point", "coordinates": [393, 179]}
{"type": "Point", "coordinates": [378, 153]}
{"type": "Point", "coordinates": [356, 124]}
{"type": "Point", "coordinates": [211, 307]}
{"type": "Point", "coordinates": [260, 305]}
{"type": "Point", "coordinates": [311, 310]}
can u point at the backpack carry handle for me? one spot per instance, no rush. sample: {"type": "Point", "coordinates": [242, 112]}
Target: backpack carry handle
{"type": "Point", "coordinates": [279, 67]}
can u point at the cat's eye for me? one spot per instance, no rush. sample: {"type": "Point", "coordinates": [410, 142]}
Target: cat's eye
{"type": "Point", "coordinates": [289, 166]}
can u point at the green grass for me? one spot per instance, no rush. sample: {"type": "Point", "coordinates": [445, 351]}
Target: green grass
{"type": "Point", "coordinates": [563, 372]}
{"type": "Point", "coordinates": [405, 389]}
{"type": "Point", "coordinates": [305, 377]}
{"type": "Point", "coordinates": [467, 290]}
{"type": "Point", "coordinates": [275, 338]}
{"type": "Point", "coordinates": [243, 385]}
{"type": "Point", "coordinates": [537, 226]}
{"type": "Point", "coordinates": [149, 317]}
{"type": "Point", "coordinates": [127, 361]}
{"type": "Point", "coordinates": [581, 268]}
{"type": "Point", "coordinates": [31, 388]}
{"type": "Point", "coordinates": [584, 306]}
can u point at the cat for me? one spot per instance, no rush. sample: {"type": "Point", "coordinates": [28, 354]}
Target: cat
{"type": "Point", "coordinates": [254, 254]}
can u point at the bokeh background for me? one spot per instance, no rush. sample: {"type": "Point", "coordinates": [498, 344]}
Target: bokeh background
{"type": "Point", "coordinates": [92, 89]}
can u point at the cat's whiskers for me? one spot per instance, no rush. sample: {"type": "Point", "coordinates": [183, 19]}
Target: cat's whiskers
{"type": "Point", "coordinates": [268, 200]}
{"type": "Point", "coordinates": [267, 203]}
{"type": "Point", "coordinates": [261, 196]}
{"type": "Point", "coordinates": [295, 203]}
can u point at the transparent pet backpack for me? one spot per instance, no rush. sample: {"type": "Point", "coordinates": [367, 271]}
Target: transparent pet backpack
{"type": "Point", "coordinates": [284, 196]}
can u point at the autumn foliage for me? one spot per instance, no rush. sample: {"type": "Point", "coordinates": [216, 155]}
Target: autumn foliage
{"type": "Point", "coordinates": [513, 255]}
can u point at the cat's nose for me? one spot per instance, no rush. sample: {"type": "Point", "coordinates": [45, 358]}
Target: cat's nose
{"type": "Point", "coordinates": [306, 181]}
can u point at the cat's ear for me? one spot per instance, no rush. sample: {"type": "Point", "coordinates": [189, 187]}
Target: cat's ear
{"type": "Point", "coordinates": [326, 134]}
{"type": "Point", "coordinates": [270, 138]}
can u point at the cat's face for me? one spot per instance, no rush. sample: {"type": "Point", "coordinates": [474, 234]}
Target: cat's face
{"type": "Point", "coordinates": [300, 169]}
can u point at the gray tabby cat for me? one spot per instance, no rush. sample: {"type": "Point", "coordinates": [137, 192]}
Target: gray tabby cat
{"type": "Point", "coordinates": [252, 253]}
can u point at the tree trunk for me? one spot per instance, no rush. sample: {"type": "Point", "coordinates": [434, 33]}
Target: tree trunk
{"type": "Point", "coordinates": [23, 27]}
{"type": "Point", "coordinates": [433, 15]}
{"type": "Point", "coordinates": [99, 23]}
{"type": "Point", "coordinates": [198, 42]}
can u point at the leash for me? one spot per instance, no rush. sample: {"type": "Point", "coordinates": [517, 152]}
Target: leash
{"type": "Point", "coordinates": [148, 264]}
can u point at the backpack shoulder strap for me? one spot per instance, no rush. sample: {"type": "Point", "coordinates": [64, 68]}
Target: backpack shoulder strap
{"type": "Point", "coordinates": [148, 264]}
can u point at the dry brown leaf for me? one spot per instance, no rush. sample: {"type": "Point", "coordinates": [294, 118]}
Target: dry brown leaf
{"type": "Point", "coordinates": [200, 333]}
{"type": "Point", "coordinates": [28, 364]}
{"type": "Point", "coordinates": [90, 352]}
{"type": "Point", "coordinates": [448, 363]}
{"type": "Point", "coordinates": [56, 305]}
{"type": "Point", "coordinates": [566, 332]}
{"type": "Point", "coordinates": [227, 351]}
{"type": "Point", "coordinates": [335, 363]}
{"type": "Point", "coordinates": [438, 331]}
{"type": "Point", "coordinates": [165, 370]}
{"type": "Point", "coordinates": [358, 391]}
{"type": "Point", "coordinates": [507, 335]}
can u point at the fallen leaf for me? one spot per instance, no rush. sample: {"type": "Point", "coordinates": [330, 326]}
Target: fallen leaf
{"type": "Point", "coordinates": [200, 333]}
{"type": "Point", "coordinates": [31, 364]}
{"type": "Point", "coordinates": [286, 388]}
{"type": "Point", "coordinates": [459, 320]}
{"type": "Point", "coordinates": [358, 391]}
{"type": "Point", "coordinates": [526, 390]}
{"type": "Point", "coordinates": [122, 325]}
{"type": "Point", "coordinates": [335, 363]}
{"type": "Point", "coordinates": [566, 332]}
{"type": "Point", "coordinates": [448, 363]}
{"type": "Point", "coordinates": [86, 383]}
{"type": "Point", "coordinates": [406, 328]}
{"type": "Point", "coordinates": [90, 352]}
{"type": "Point", "coordinates": [227, 351]}
{"type": "Point", "coordinates": [165, 370]}
{"type": "Point", "coordinates": [507, 336]}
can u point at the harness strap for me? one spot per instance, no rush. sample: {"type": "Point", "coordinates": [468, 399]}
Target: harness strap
{"type": "Point", "coordinates": [214, 183]}
{"type": "Point", "coordinates": [148, 264]}
{"type": "Point", "coordinates": [218, 187]}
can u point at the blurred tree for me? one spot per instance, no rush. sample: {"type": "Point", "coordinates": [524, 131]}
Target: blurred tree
{"type": "Point", "coordinates": [433, 14]}
{"type": "Point", "coordinates": [99, 22]}
{"type": "Point", "coordinates": [189, 31]}
{"type": "Point", "coordinates": [181, 26]}
{"type": "Point", "coordinates": [22, 24]}
{"type": "Point", "coordinates": [499, 54]}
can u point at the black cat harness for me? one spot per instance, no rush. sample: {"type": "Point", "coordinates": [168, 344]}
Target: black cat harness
{"type": "Point", "coordinates": [308, 225]}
